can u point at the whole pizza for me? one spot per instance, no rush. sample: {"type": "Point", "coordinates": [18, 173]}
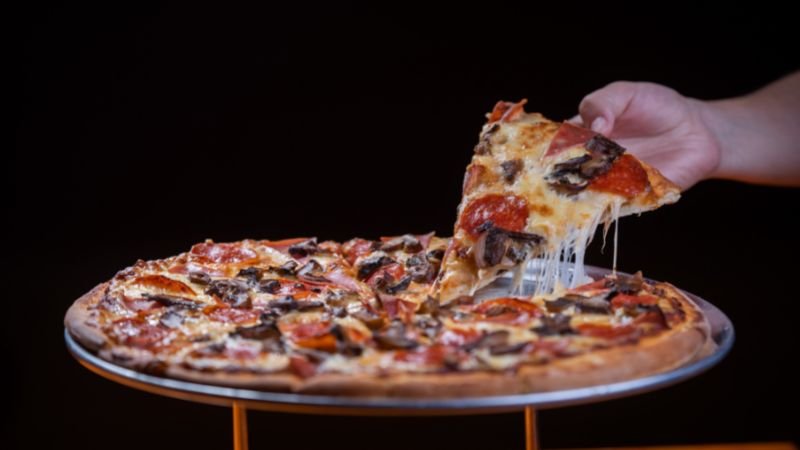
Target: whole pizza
{"type": "Point", "coordinates": [409, 315]}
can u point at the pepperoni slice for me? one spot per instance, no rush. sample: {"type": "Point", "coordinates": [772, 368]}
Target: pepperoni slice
{"type": "Point", "coordinates": [429, 356]}
{"type": "Point", "coordinates": [396, 307]}
{"type": "Point", "coordinates": [301, 366]}
{"type": "Point", "coordinates": [395, 270]}
{"type": "Point", "coordinates": [507, 310]}
{"type": "Point", "coordinates": [284, 244]}
{"type": "Point", "coordinates": [458, 337]}
{"type": "Point", "coordinates": [626, 177]}
{"type": "Point", "coordinates": [505, 211]}
{"type": "Point", "coordinates": [184, 269]}
{"type": "Point", "coordinates": [165, 284]}
{"type": "Point", "coordinates": [621, 300]}
{"type": "Point", "coordinates": [355, 248]}
{"type": "Point", "coordinates": [567, 136]}
{"type": "Point", "coordinates": [507, 111]}
{"type": "Point", "coordinates": [316, 335]}
{"type": "Point", "coordinates": [234, 315]}
{"type": "Point", "coordinates": [223, 253]}
{"type": "Point", "coordinates": [138, 333]}
{"type": "Point", "coordinates": [599, 285]}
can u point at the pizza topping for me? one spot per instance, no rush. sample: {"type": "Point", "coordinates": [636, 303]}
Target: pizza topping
{"type": "Point", "coordinates": [507, 111]}
{"type": "Point", "coordinates": [507, 349]}
{"type": "Point", "coordinates": [171, 319]}
{"type": "Point", "coordinates": [509, 212]}
{"type": "Point", "coordinates": [233, 315]}
{"type": "Point", "coordinates": [372, 320]}
{"type": "Point", "coordinates": [201, 278]}
{"type": "Point", "coordinates": [367, 266]}
{"type": "Point", "coordinates": [507, 310]}
{"type": "Point", "coordinates": [233, 292]}
{"type": "Point", "coordinates": [407, 242]}
{"type": "Point", "coordinates": [312, 271]}
{"type": "Point", "coordinates": [567, 136]}
{"type": "Point", "coordinates": [597, 304]}
{"type": "Point", "coordinates": [628, 284]}
{"type": "Point", "coordinates": [266, 329]}
{"type": "Point", "coordinates": [421, 269]}
{"type": "Point", "coordinates": [251, 274]}
{"type": "Point", "coordinates": [555, 325]}
{"type": "Point", "coordinates": [172, 301]}
{"type": "Point", "coordinates": [286, 303]}
{"type": "Point", "coordinates": [394, 336]}
{"type": "Point", "coordinates": [223, 253]}
{"type": "Point", "coordinates": [289, 268]}
{"type": "Point", "coordinates": [626, 177]}
{"type": "Point", "coordinates": [165, 284]}
{"type": "Point", "coordinates": [510, 169]}
{"type": "Point", "coordinates": [304, 248]}
{"type": "Point", "coordinates": [495, 243]}
{"type": "Point", "coordinates": [301, 366]}
{"type": "Point", "coordinates": [396, 307]}
{"type": "Point", "coordinates": [269, 286]}
{"type": "Point", "coordinates": [140, 334]}
{"type": "Point", "coordinates": [356, 248]}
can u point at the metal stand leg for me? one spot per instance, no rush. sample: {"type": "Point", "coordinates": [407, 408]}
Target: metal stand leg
{"type": "Point", "coordinates": [239, 426]}
{"type": "Point", "coordinates": [531, 436]}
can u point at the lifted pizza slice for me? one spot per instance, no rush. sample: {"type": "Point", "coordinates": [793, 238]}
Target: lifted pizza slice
{"type": "Point", "coordinates": [539, 189]}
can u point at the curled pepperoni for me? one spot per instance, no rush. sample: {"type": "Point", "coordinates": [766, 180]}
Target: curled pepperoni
{"type": "Point", "coordinates": [509, 212]}
{"type": "Point", "coordinates": [621, 300]}
{"type": "Point", "coordinates": [567, 136]}
{"type": "Point", "coordinates": [355, 248]}
{"type": "Point", "coordinates": [163, 283]}
{"type": "Point", "coordinates": [223, 253]}
{"type": "Point", "coordinates": [626, 177]}
{"type": "Point", "coordinates": [507, 111]}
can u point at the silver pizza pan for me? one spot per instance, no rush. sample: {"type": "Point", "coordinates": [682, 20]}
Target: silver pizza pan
{"type": "Point", "coordinates": [721, 329]}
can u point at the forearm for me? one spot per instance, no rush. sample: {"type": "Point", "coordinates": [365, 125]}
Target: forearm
{"type": "Point", "coordinates": [758, 134]}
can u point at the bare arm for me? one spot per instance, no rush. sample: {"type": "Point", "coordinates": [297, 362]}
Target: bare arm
{"type": "Point", "coordinates": [754, 138]}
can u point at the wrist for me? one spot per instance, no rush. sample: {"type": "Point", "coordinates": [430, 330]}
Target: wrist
{"type": "Point", "coordinates": [720, 119]}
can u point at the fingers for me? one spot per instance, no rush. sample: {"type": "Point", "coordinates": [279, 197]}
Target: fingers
{"type": "Point", "coordinates": [601, 109]}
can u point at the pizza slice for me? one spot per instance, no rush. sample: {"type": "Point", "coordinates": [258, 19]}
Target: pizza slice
{"type": "Point", "coordinates": [539, 189]}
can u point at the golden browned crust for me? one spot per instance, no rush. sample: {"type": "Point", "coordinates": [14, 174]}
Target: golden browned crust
{"type": "Point", "coordinates": [274, 382]}
{"type": "Point", "coordinates": [81, 319]}
{"type": "Point", "coordinates": [663, 191]}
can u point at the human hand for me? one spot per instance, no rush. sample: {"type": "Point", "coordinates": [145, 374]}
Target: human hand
{"type": "Point", "coordinates": [658, 125]}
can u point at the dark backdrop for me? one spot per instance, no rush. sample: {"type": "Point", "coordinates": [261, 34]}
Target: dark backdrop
{"type": "Point", "coordinates": [142, 131]}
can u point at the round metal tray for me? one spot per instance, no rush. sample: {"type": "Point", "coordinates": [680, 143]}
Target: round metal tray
{"type": "Point", "coordinates": [722, 334]}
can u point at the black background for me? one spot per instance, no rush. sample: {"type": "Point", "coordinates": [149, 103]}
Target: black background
{"type": "Point", "coordinates": [141, 131]}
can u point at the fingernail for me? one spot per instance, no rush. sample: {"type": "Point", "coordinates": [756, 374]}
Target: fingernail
{"type": "Point", "coordinates": [598, 124]}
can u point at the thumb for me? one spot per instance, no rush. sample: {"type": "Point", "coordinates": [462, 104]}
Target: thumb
{"type": "Point", "coordinates": [601, 109]}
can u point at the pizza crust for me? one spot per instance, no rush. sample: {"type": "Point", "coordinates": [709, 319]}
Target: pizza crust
{"type": "Point", "coordinates": [663, 352]}
{"type": "Point", "coordinates": [81, 319]}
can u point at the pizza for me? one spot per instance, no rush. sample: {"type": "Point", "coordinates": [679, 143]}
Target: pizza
{"type": "Point", "coordinates": [356, 318]}
{"type": "Point", "coordinates": [539, 189]}
{"type": "Point", "coordinates": [419, 315]}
